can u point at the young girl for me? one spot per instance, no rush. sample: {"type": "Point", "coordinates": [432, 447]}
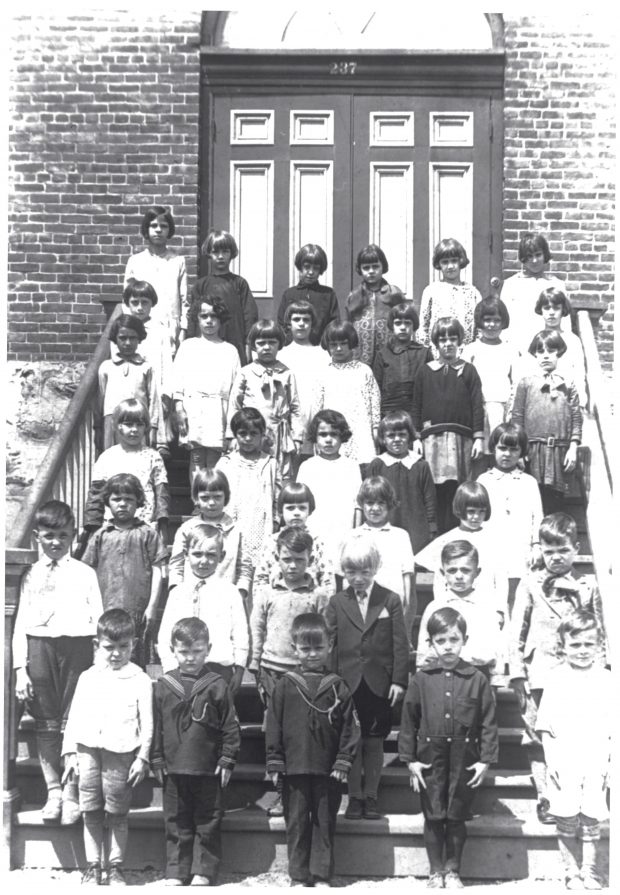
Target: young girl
{"type": "Point", "coordinates": [368, 306]}
{"type": "Point", "coordinates": [515, 502]}
{"type": "Point", "coordinates": [211, 495]}
{"type": "Point", "coordinates": [448, 416]}
{"type": "Point", "coordinates": [348, 384]}
{"type": "Point", "coordinates": [131, 454]}
{"type": "Point", "coordinates": [521, 291]}
{"type": "Point", "coordinates": [578, 767]}
{"type": "Point", "coordinates": [554, 306]}
{"type": "Point", "coordinates": [269, 386]}
{"type": "Point", "coordinates": [127, 375]}
{"type": "Point", "coordinates": [449, 297]}
{"type": "Point", "coordinates": [160, 266]}
{"type": "Point", "coordinates": [411, 478]}
{"type": "Point", "coordinates": [547, 406]}
{"type": "Point", "coordinates": [311, 262]}
{"type": "Point", "coordinates": [333, 479]}
{"type": "Point", "coordinates": [232, 290]}
{"type": "Point", "coordinates": [254, 481]}
{"type": "Point", "coordinates": [204, 370]}
{"type": "Point", "coordinates": [372, 655]}
{"type": "Point", "coordinates": [396, 364]}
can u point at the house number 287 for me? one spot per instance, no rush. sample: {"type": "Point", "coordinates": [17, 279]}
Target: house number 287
{"type": "Point", "coordinates": [342, 68]}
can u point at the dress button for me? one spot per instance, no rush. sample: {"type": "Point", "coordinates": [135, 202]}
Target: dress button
{"type": "Point", "coordinates": [447, 714]}
{"type": "Point", "coordinates": [447, 674]}
{"type": "Point", "coordinates": [448, 693]}
{"type": "Point", "coordinates": [449, 739]}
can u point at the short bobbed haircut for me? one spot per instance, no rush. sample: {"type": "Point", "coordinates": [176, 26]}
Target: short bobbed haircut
{"type": "Point", "coordinates": [210, 480]}
{"type": "Point", "coordinates": [131, 411]}
{"type": "Point", "coordinates": [296, 492]}
{"type": "Point", "coordinates": [556, 528]}
{"type": "Point", "coordinates": [577, 621]}
{"type": "Point", "coordinates": [332, 418]}
{"type": "Point", "coordinates": [371, 254]}
{"type": "Point", "coordinates": [309, 628]}
{"type": "Point", "coordinates": [491, 306]}
{"type": "Point", "coordinates": [340, 331]}
{"type": "Point", "coordinates": [311, 254]}
{"type": "Point", "coordinates": [377, 487]}
{"type": "Point", "coordinates": [441, 620]}
{"type": "Point", "coordinates": [547, 339]}
{"type": "Point", "coordinates": [266, 329]}
{"type": "Point", "coordinates": [139, 289]}
{"type": "Point", "coordinates": [205, 532]}
{"type": "Point", "coordinates": [394, 420]}
{"type": "Point", "coordinates": [359, 551]}
{"type": "Point", "coordinates": [151, 214]}
{"type": "Point", "coordinates": [449, 248]}
{"type": "Point", "coordinates": [471, 494]}
{"type": "Point", "coordinates": [457, 548]}
{"type": "Point", "coordinates": [188, 631]}
{"type": "Point", "coordinates": [554, 298]}
{"type": "Point", "coordinates": [127, 321]}
{"type": "Point", "coordinates": [405, 310]}
{"type": "Point", "coordinates": [510, 435]}
{"type": "Point", "coordinates": [123, 483]}
{"type": "Point", "coordinates": [301, 306]}
{"type": "Point", "coordinates": [54, 514]}
{"type": "Point", "coordinates": [532, 243]}
{"type": "Point", "coordinates": [115, 625]}
{"type": "Point", "coordinates": [248, 418]}
{"type": "Point", "coordinates": [447, 326]}
{"type": "Point", "coordinates": [295, 539]}
{"type": "Point", "coordinates": [214, 302]}
{"type": "Point", "coordinates": [220, 239]}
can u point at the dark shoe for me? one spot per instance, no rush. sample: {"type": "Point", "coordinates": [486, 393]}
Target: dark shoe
{"type": "Point", "coordinates": [452, 880]}
{"type": "Point", "coordinates": [542, 812]}
{"type": "Point", "coordinates": [435, 881]}
{"type": "Point", "coordinates": [92, 875]}
{"type": "Point", "coordinates": [370, 809]}
{"type": "Point", "coordinates": [355, 809]}
{"type": "Point", "coordinates": [116, 877]}
{"type": "Point", "coordinates": [277, 809]}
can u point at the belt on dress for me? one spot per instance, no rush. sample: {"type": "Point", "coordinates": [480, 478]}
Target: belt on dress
{"type": "Point", "coordinates": [552, 441]}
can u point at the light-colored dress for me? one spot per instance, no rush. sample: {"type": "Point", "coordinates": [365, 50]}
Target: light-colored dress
{"type": "Point", "coordinates": [121, 379]}
{"type": "Point", "coordinates": [306, 363]}
{"type": "Point", "coordinates": [520, 294]}
{"type": "Point", "coordinates": [441, 299]}
{"type": "Point", "coordinates": [396, 556]}
{"type": "Point", "coordinates": [352, 389]}
{"type": "Point", "coordinates": [499, 366]}
{"type": "Point", "coordinates": [145, 463]}
{"type": "Point", "coordinates": [168, 276]}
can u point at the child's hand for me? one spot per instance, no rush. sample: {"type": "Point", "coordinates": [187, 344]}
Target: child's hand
{"type": "Point", "coordinates": [416, 769]}
{"type": "Point", "coordinates": [235, 680]}
{"type": "Point", "coordinates": [339, 775]}
{"type": "Point", "coordinates": [275, 778]}
{"type": "Point", "coordinates": [224, 775]}
{"type": "Point", "coordinates": [160, 775]}
{"type": "Point", "coordinates": [519, 685]}
{"type": "Point", "coordinates": [182, 423]}
{"type": "Point", "coordinates": [479, 768]}
{"type": "Point", "coordinates": [570, 459]}
{"type": "Point", "coordinates": [297, 447]}
{"type": "Point", "coordinates": [23, 685]}
{"type": "Point", "coordinates": [396, 692]}
{"type": "Point", "coordinates": [71, 768]}
{"type": "Point", "coordinates": [137, 771]}
{"type": "Point", "coordinates": [477, 449]}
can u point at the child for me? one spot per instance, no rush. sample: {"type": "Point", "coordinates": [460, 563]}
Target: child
{"type": "Point", "coordinates": [59, 605]}
{"type": "Point", "coordinates": [131, 421]}
{"type": "Point", "coordinates": [269, 386]}
{"type": "Point", "coordinates": [333, 479]}
{"type": "Point", "coordinates": [211, 494]}
{"type": "Point", "coordinates": [295, 505]}
{"type": "Point", "coordinates": [448, 297]}
{"type": "Point", "coordinates": [448, 415]}
{"type": "Point", "coordinates": [218, 603]}
{"type": "Point", "coordinates": [127, 376]}
{"type": "Point", "coordinates": [515, 503]}
{"type": "Point", "coordinates": [521, 291]}
{"type": "Point", "coordinates": [160, 266]}
{"type": "Point", "coordinates": [397, 362]}
{"type": "Point", "coordinates": [254, 481]}
{"type": "Point", "coordinates": [372, 655]}
{"type": "Point", "coordinates": [578, 767]}
{"type": "Point", "coordinates": [312, 735]}
{"type": "Point", "coordinates": [448, 738]}
{"type": "Point", "coordinates": [273, 612]}
{"type": "Point", "coordinates": [553, 305]}
{"type": "Point", "coordinates": [411, 478]}
{"type": "Point", "coordinates": [311, 262]}
{"type": "Point", "coordinates": [547, 406]}
{"type": "Point", "coordinates": [544, 597]}
{"type": "Point", "coordinates": [348, 384]}
{"type": "Point", "coordinates": [129, 557]}
{"type": "Point", "coordinates": [232, 290]}
{"type": "Point", "coordinates": [204, 371]}
{"type": "Point", "coordinates": [306, 361]}
{"type": "Point", "coordinates": [107, 743]}
{"type": "Point", "coordinates": [460, 568]}
{"type": "Point", "coordinates": [368, 306]}
{"type": "Point", "coordinates": [196, 743]}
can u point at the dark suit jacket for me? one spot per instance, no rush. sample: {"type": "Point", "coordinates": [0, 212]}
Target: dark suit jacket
{"type": "Point", "coordinates": [376, 649]}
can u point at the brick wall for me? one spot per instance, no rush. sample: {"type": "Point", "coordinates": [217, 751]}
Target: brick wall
{"type": "Point", "coordinates": [103, 122]}
{"type": "Point", "coordinates": [560, 165]}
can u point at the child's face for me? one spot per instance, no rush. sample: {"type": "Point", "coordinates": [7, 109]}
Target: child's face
{"type": "Point", "coordinates": [371, 273]}
{"type": "Point", "coordinates": [309, 272]}
{"type": "Point", "coordinates": [127, 341]}
{"type": "Point", "coordinates": [55, 542]}
{"type": "Point", "coordinates": [473, 518]}
{"type": "Point", "coordinates": [450, 270]}
{"type": "Point", "coordinates": [159, 230]}
{"type": "Point", "coordinates": [211, 504]}
{"type": "Point", "coordinates": [396, 442]}
{"type": "Point", "coordinates": [376, 513]}
{"type": "Point", "coordinates": [359, 579]}
{"type": "Point", "coordinates": [139, 306]}
{"type": "Point", "coordinates": [581, 648]}
{"type": "Point", "coordinates": [534, 263]}
{"type": "Point", "coordinates": [208, 321]}
{"type": "Point", "coordinates": [301, 327]}
{"type": "Point", "coordinates": [266, 351]}
{"type": "Point", "coordinates": [293, 565]}
{"type": "Point", "coordinates": [559, 558]}
{"type": "Point", "coordinates": [250, 442]}
{"type": "Point", "coordinates": [403, 329]}
{"type": "Point", "coordinates": [507, 458]}
{"type": "Point", "coordinates": [114, 654]}
{"type": "Point", "coordinates": [460, 574]}
{"type": "Point", "coordinates": [220, 259]}
{"type": "Point", "coordinates": [328, 441]}
{"type": "Point", "coordinates": [552, 315]}
{"type": "Point", "coordinates": [547, 359]}
{"type": "Point", "coordinates": [204, 557]}
{"type": "Point", "coordinates": [312, 655]}
{"type": "Point", "coordinates": [131, 434]}
{"type": "Point", "coordinates": [491, 328]}
{"type": "Point", "coordinates": [295, 513]}
{"type": "Point", "coordinates": [190, 657]}
{"type": "Point", "coordinates": [448, 645]}
{"type": "Point", "coordinates": [340, 352]}
{"type": "Point", "coordinates": [448, 348]}
{"type": "Point", "coordinates": [123, 508]}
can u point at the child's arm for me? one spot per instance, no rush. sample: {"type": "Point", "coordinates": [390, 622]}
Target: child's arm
{"type": "Point", "coordinates": [477, 404]}
{"type": "Point", "coordinates": [178, 555]}
{"type": "Point", "coordinates": [258, 628]}
{"type": "Point", "coordinates": [244, 568]}
{"type": "Point", "coordinates": [400, 652]}
{"type": "Point", "coordinates": [570, 458]}
{"type": "Point", "coordinates": [489, 737]}
{"type": "Point", "coordinates": [248, 307]}
{"type": "Point", "coordinates": [518, 631]}
{"type": "Point", "coordinates": [152, 391]}
{"type": "Point", "coordinates": [426, 308]}
{"type": "Point", "coordinates": [239, 636]}
{"type": "Point", "coordinates": [374, 404]}
{"type": "Point", "coordinates": [416, 411]}
{"type": "Point", "coordinates": [350, 734]}
{"type": "Point", "coordinates": [408, 735]}
{"type": "Point", "coordinates": [331, 620]}
{"type": "Point", "coordinates": [377, 369]}
{"type": "Point", "coordinates": [144, 702]}
{"type": "Point", "coordinates": [235, 400]}
{"type": "Point", "coordinates": [407, 589]}
{"type": "Point", "coordinates": [184, 303]}
{"type": "Point", "coordinates": [93, 598]}
{"type": "Point", "coordinates": [268, 560]}
{"type": "Point", "coordinates": [429, 497]}
{"type": "Point", "coordinates": [176, 608]}
{"type": "Point", "coordinates": [231, 736]}
{"type": "Point", "coordinates": [158, 762]}
{"type": "Point", "coordinates": [518, 406]}
{"type": "Point", "coordinates": [295, 415]}
{"type": "Point", "coordinates": [23, 685]}
{"type": "Point", "coordinates": [274, 735]}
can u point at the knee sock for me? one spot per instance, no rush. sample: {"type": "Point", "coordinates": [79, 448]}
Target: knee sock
{"type": "Point", "coordinates": [48, 748]}
{"type": "Point", "coordinates": [589, 859]}
{"type": "Point", "coordinates": [456, 834]}
{"type": "Point", "coordinates": [93, 836]}
{"type": "Point", "coordinates": [570, 850]}
{"type": "Point", "coordinates": [118, 830]}
{"type": "Point", "coordinates": [372, 759]}
{"type": "Point", "coordinates": [355, 775]}
{"type": "Point", "coordinates": [434, 841]}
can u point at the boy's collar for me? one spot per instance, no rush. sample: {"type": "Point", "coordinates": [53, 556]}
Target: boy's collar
{"type": "Point", "coordinates": [432, 664]}
{"type": "Point", "coordinates": [109, 525]}
{"type": "Point", "coordinates": [49, 560]}
{"type": "Point", "coordinates": [306, 584]}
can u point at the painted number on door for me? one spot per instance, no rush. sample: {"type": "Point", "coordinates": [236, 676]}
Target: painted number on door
{"type": "Point", "coordinates": [342, 68]}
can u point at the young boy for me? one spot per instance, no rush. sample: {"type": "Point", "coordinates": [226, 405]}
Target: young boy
{"type": "Point", "coordinates": [276, 606]}
{"type": "Point", "coordinates": [396, 363]}
{"type": "Point", "coordinates": [107, 742]}
{"type": "Point", "coordinates": [195, 746]}
{"type": "Point", "coordinates": [217, 602]}
{"type": "Point", "coordinates": [128, 556]}
{"type": "Point", "coordinates": [367, 625]}
{"type": "Point", "coordinates": [56, 620]}
{"type": "Point", "coordinates": [448, 738]}
{"type": "Point", "coordinates": [312, 736]}
{"type": "Point", "coordinates": [460, 568]}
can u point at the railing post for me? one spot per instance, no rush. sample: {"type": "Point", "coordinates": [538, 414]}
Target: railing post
{"type": "Point", "coordinates": [17, 561]}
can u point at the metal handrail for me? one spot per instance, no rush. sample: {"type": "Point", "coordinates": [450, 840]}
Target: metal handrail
{"type": "Point", "coordinates": [599, 404]}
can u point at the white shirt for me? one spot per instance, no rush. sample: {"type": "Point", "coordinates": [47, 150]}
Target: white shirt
{"type": "Point", "coordinates": [397, 558]}
{"type": "Point", "coordinates": [362, 601]}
